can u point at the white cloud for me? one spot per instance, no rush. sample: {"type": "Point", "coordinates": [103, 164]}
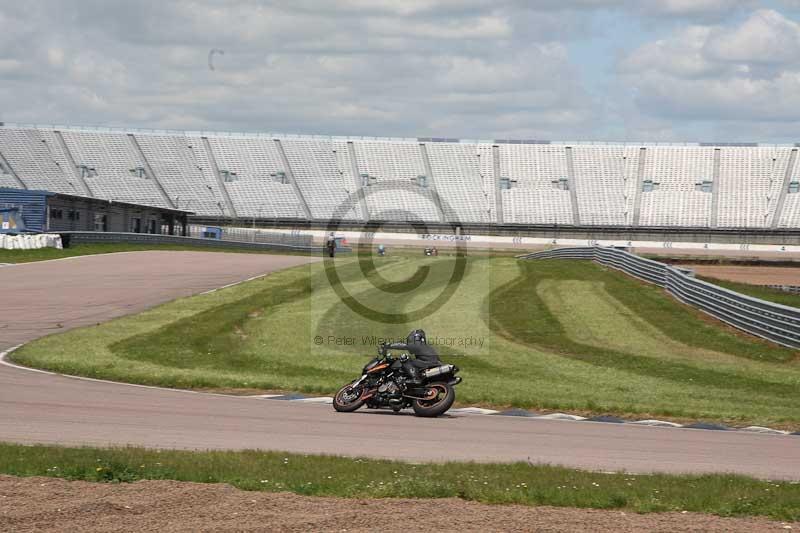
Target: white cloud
{"type": "Point", "coordinates": [479, 67]}
{"type": "Point", "coordinates": [748, 72]}
{"type": "Point", "coordinates": [694, 7]}
{"type": "Point", "coordinates": [468, 68]}
{"type": "Point", "coordinates": [765, 37]}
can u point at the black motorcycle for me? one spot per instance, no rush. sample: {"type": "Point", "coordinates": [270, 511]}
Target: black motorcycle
{"type": "Point", "coordinates": [384, 384]}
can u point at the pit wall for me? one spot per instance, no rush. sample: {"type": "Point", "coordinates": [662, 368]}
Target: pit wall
{"type": "Point", "coordinates": [788, 251]}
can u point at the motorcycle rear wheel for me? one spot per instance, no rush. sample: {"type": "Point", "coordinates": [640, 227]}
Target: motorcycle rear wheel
{"type": "Point", "coordinates": [439, 404]}
{"type": "Point", "coordinates": [348, 399]}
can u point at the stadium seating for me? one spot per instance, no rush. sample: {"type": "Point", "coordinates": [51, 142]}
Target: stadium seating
{"type": "Point", "coordinates": [188, 184]}
{"type": "Point", "coordinates": [32, 160]}
{"type": "Point", "coordinates": [254, 168]}
{"type": "Point", "coordinates": [483, 182]}
{"type": "Point", "coordinates": [464, 180]}
{"type": "Point", "coordinates": [605, 182]}
{"type": "Point", "coordinates": [675, 172]}
{"type": "Point", "coordinates": [534, 171]}
{"type": "Point", "coordinates": [324, 174]}
{"type": "Point", "coordinates": [391, 171]}
{"type": "Point", "coordinates": [750, 180]}
{"type": "Point", "coordinates": [112, 168]}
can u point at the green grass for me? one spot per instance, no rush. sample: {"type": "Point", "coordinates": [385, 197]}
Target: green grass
{"type": "Point", "coordinates": [46, 254]}
{"type": "Point", "coordinates": [547, 335]}
{"type": "Point", "coordinates": [518, 483]}
{"type": "Point", "coordinates": [757, 291]}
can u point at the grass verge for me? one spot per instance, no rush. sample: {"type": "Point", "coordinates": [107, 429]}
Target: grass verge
{"type": "Point", "coordinates": [46, 254]}
{"type": "Point", "coordinates": [757, 291]}
{"type": "Point", "coordinates": [517, 483]}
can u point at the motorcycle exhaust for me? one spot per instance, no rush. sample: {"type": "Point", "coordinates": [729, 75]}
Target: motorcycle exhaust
{"type": "Point", "coordinates": [438, 371]}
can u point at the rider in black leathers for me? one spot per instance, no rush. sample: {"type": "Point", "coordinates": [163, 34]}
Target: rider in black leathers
{"type": "Point", "coordinates": [424, 355]}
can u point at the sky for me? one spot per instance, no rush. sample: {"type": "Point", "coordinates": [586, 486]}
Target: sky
{"type": "Point", "coordinates": [604, 70]}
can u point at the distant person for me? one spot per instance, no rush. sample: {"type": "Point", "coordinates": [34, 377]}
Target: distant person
{"type": "Point", "coordinates": [381, 250]}
{"type": "Point", "coordinates": [330, 245]}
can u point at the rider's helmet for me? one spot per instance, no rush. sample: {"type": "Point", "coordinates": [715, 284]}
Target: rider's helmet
{"type": "Point", "coordinates": [416, 336]}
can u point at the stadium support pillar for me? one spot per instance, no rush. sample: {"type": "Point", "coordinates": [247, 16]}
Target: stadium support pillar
{"type": "Point", "coordinates": [787, 178]}
{"type": "Point", "coordinates": [573, 186]}
{"type": "Point", "coordinates": [712, 223]}
{"type": "Point", "coordinates": [432, 182]}
{"type": "Point", "coordinates": [149, 170]}
{"type": "Point", "coordinates": [11, 171]}
{"type": "Point", "coordinates": [637, 194]}
{"type": "Point", "coordinates": [220, 183]}
{"type": "Point", "coordinates": [363, 205]}
{"type": "Point", "coordinates": [289, 174]}
{"type": "Point", "coordinates": [498, 192]}
{"type": "Point", "coordinates": [73, 167]}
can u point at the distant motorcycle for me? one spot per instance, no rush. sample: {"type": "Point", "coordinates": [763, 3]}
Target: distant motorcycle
{"type": "Point", "coordinates": [383, 384]}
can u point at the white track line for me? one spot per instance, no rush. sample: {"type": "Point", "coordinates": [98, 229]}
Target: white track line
{"type": "Point", "coordinates": [320, 400]}
{"type": "Point", "coordinates": [5, 362]}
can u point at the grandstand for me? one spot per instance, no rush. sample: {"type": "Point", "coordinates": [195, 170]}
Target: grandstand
{"type": "Point", "coordinates": [451, 181]}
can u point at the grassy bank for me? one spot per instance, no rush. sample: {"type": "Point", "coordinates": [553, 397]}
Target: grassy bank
{"type": "Point", "coordinates": [45, 254]}
{"type": "Point", "coordinates": [545, 335]}
{"type": "Point", "coordinates": [757, 291]}
{"type": "Point", "coordinates": [519, 483]}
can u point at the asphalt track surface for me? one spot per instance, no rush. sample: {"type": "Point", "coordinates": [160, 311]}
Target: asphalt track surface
{"type": "Point", "coordinates": [37, 407]}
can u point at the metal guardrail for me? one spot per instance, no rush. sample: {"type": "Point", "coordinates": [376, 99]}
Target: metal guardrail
{"type": "Point", "coordinates": [772, 321]}
{"type": "Point", "coordinates": [150, 238]}
{"type": "Point", "coordinates": [255, 235]}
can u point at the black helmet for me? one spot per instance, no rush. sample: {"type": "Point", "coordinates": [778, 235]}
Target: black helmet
{"type": "Point", "coordinates": [416, 336]}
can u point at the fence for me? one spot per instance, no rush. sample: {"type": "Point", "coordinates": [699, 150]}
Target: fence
{"type": "Point", "coordinates": [149, 238]}
{"type": "Point", "coordinates": [256, 236]}
{"type": "Point", "coordinates": [776, 322]}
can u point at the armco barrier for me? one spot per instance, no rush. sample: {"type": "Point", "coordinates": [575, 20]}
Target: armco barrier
{"type": "Point", "coordinates": [149, 238]}
{"type": "Point", "coordinates": [256, 235]}
{"type": "Point", "coordinates": [776, 322]}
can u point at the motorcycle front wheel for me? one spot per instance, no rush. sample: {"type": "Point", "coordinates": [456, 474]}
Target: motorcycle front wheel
{"type": "Point", "coordinates": [348, 399]}
{"type": "Point", "coordinates": [437, 403]}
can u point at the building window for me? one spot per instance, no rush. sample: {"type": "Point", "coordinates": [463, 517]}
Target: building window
{"type": "Point", "coordinates": [561, 184]}
{"type": "Point", "coordinates": [649, 186]}
{"type": "Point", "coordinates": [704, 186]}
{"type": "Point", "coordinates": [56, 214]}
{"type": "Point", "coordinates": [136, 225]}
{"type": "Point", "coordinates": [100, 222]}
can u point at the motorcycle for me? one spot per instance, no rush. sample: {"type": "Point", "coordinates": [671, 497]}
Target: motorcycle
{"type": "Point", "coordinates": [383, 384]}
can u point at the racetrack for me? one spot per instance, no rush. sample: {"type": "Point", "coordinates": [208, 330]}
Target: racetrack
{"type": "Point", "coordinates": [38, 407]}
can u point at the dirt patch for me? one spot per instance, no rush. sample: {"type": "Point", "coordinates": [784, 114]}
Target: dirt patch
{"type": "Point", "coordinates": [46, 504]}
{"type": "Point", "coordinates": [754, 275]}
